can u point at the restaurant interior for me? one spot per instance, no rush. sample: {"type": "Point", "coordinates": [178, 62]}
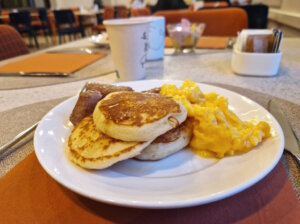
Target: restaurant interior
{"type": "Point", "coordinates": [149, 111]}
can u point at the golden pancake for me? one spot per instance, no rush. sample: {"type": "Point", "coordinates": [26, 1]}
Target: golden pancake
{"type": "Point", "coordinates": [89, 148]}
{"type": "Point", "coordinates": [168, 143]}
{"type": "Point", "coordinates": [135, 116]}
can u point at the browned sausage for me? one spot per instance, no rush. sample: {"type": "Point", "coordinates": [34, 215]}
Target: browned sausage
{"type": "Point", "coordinates": [105, 89]}
{"type": "Point", "coordinates": [85, 105]}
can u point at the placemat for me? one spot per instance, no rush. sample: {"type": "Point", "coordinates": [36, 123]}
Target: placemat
{"type": "Point", "coordinates": [100, 67]}
{"type": "Point", "coordinates": [30, 195]}
{"type": "Point", "coordinates": [59, 64]}
{"type": "Point", "coordinates": [16, 120]}
{"type": "Point", "coordinates": [204, 42]}
{"type": "Point", "coordinates": [272, 200]}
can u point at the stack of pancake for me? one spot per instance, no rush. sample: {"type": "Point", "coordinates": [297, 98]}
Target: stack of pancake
{"type": "Point", "coordinates": [114, 123]}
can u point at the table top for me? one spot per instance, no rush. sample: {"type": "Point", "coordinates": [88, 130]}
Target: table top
{"type": "Point", "coordinates": [89, 12]}
{"type": "Point", "coordinates": [212, 66]}
{"type": "Point", "coordinates": [20, 108]}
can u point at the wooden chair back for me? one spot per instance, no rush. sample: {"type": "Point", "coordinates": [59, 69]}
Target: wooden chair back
{"type": "Point", "coordinates": [140, 12]}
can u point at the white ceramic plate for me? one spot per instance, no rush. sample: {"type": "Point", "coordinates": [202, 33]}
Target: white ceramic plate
{"type": "Point", "coordinates": [180, 180]}
{"type": "Point", "coordinates": [100, 40]}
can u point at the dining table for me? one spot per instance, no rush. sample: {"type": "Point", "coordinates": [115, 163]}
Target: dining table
{"type": "Point", "coordinates": [31, 195]}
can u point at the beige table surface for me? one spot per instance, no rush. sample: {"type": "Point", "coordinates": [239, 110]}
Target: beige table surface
{"type": "Point", "coordinates": [203, 66]}
{"type": "Point", "coordinates": [209, 66]}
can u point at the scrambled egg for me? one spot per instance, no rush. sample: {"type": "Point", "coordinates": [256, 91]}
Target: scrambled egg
{"type": "Point", "coordinates": [217, 131]}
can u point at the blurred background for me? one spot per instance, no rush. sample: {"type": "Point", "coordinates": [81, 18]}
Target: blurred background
{"type": "Point", "coordinates": [50, 21]}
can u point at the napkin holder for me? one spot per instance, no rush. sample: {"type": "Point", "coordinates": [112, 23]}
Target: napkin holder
{"type": "Point", "coordinates": [255, 64]}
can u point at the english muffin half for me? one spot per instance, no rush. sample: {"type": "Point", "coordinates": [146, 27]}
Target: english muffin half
{"type": "Point", "coordinates": [168, 143]}
{"type": "Point", "coordinates": [91, 149]}
{"type": "Point", "coordinates": [135, 116]}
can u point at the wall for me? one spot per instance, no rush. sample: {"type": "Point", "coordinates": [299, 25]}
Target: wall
{"type": "Point", "coordinates": [116, 2]}
{"type": "Point", "coordinates": [271, 3]}
{"type": "Point", "coordinates": [125, 2]}
{"type": "Point", "coordinates": [39, 3]}
{"type": "Point", "coordinates": [291, 6]}
{"type": "Point", "coordinates": [285, 15]}
{"type": "Point", "coordinates": [71, 3]}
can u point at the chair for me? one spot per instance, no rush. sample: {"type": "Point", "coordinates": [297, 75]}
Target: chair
{"type": "Point", "coordinates": [107, 14]}
{"type": "Point", "coordinates": [214, 1]}
{"type": "Point", "coordinates": [11, 43]}
{"type": "Point", "coordinates": [257, 15]}
{"type": "Point", "coordinates": [210, 4]}
{"type": "Point", "coordinates": [5, 14]}
{"type": "Point", "coordinates": [66, 24]}
{"type": "Point", "coordinates": [99, 17]}
{"type": "Point", "coordinates": [21, 21]}
{"type": "Point", "coordinates": [87, 23]}
{"type": "Point", "coordinates": [121, 12]}
{"type": "Point", "coordinates": [140, 12]}
{"type": "Point", "coordinates": [169, 5]}
{"type": "Point", "coordinates": [219, 22]}
{"type": "Point", "coordinates": [216, 4]}
{"type": "Point", "coordinates": [81, 20]}
{"type": "Point", "coordinates": [45, 24]}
